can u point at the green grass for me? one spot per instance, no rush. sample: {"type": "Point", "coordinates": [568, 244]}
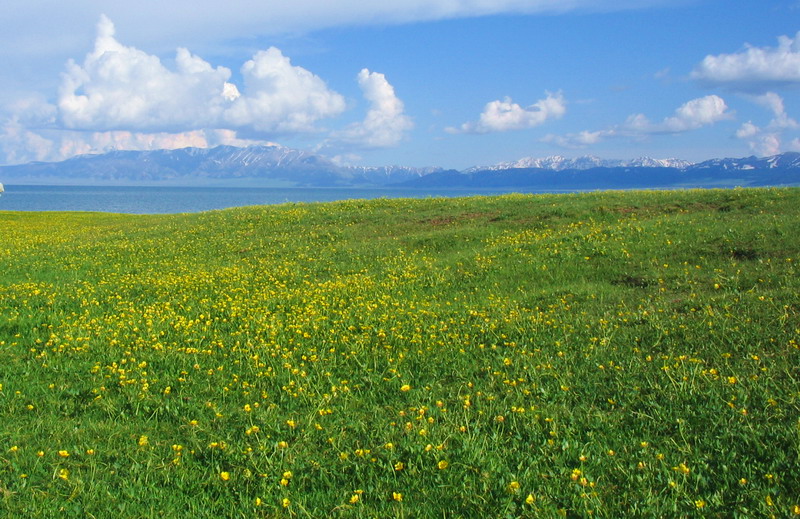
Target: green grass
{"type": "Point", "coordinates": [597, 355]}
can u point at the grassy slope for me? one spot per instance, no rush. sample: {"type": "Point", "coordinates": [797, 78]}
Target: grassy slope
{"type": "Point", "coordinates": [597, 354]}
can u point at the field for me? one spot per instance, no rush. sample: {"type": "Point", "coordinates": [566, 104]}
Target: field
{"type": "Point", "coordinates": [597, 355]}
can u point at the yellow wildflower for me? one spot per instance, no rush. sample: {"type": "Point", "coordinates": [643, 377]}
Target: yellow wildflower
{"type": "Point", "coordinates": [682, 468]}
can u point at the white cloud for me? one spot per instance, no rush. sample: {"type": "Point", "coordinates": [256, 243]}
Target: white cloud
{"type": "Point", "coordinates": [747, 130]}
{"type": "Point", "coordinates": [501, 116]}
{"type": "Point", "coordinates": [20, 145]}
{"type": "Point", "coordinates": [695, 114]}
{"type": "Point", "coordinates": [774, 103]}
{"type": "Point", "coordinates": [754, 68]}
{"type": "Point", "coordinates": [120, 87]}
{"type": "Point", "coordinates": [770, 139]}
{"type": "Point", "coordinates": [196, 22]}
{"type": "Point", "coordinates": [123, 98]}
{"type": "Point", "coordinates": [692, 115]}
{"type": "Point", "coordinates": [764, 144]}
{"type": "Point", "coordinates": [281, 97]}
{"type": "Point", "coordinates": [385, 124]}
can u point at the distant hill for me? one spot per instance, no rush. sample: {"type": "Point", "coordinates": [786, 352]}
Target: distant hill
{"type": "Point", "coordinates": [279, 166]}
{"type": "Point", "coordinates": [559, 163]}
{"type": "Point", "coordinates": [580, 174]}
{"type": "Point", "coordinates": [254, 165]}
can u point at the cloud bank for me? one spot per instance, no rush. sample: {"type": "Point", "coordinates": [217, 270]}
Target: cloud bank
{"type": "Point", "coordinates": [121, 97]}
{"type": "Point", "coordinates": [195, 22]}
{"type": "Point", "coordinates": [754, 68]}
{"type": "Point", "coordinates": [120, 87]}
{"type": "Point", "coordinates": [505, 115]}
{"type": "Point", "coordinates": [692, 115]}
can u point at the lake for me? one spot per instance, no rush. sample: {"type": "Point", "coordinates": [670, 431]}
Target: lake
{"type": "Point", "coordinates": [162, 199]}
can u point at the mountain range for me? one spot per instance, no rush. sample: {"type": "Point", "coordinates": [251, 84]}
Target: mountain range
{"type": "Point", "coordinates": [268, 166]}
{"type": "Point", "coordinates": [279, 166]}
{"type": "Point", "coordinates": [559, 163]}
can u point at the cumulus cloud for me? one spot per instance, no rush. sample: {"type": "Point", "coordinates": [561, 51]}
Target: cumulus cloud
{"type": "Point", "coordinates": [385, 124]}
{"type": "Point", "coordinates": [754, 68]}
{"type": "Point", "coordinates": [692, 115]}
{"type": "Point", "coordinates": [121, 97]}
{"type": "Point", "coordinates": [505, 115]}
{"type": "Point", "coordinates": [769, 140]}
{"type": "Point", "coordinates": [119, 87]}
{"type": "Point", "coordinates": [747, 130]}
{"type": "Point", "coordinates": [281, 97]}
{"type": "Point", "coordinates": [774, 103]}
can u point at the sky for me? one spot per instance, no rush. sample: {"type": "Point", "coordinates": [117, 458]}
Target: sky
{"type": "Point", "coordinates": [447, 83]}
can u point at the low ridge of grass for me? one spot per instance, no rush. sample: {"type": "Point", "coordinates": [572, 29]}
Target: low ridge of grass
{"type": "Point", "coordinates": [596, 355]}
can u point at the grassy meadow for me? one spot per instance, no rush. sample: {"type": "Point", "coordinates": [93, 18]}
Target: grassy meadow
{"type": "Point", "coordinates": [610, 354]}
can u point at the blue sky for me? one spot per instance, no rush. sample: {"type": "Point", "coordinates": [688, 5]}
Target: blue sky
{"type": "Point", "coordinates": [451, 83]}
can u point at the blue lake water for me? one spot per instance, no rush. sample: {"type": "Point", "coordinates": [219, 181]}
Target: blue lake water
{"type": "Point", "coordinates": [154, 200]}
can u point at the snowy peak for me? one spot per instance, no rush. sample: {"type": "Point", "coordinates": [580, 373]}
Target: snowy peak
{"type": "Point", "coordinates": [269, 165]}
{"type": "Point", "coordinates": [647, 162]}
{"type": "Point", "coordinates": [788, 160]}
{"type": "Point", "coordinates": [273, 165]}
{"type": "Point", "coordinates": [559, 163]}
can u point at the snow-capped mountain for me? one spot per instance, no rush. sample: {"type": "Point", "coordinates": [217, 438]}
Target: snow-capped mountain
{"type": "Point", "coordinates": [788, 160]}
{"type": "Point", "coordinates": [647, 162]}
{"type": "Point", "coordinates": [271, 165]}
{"type": "Point", "coordinates": [279, 166]}
{"type": "Point", "coordinates": [559, 163]}
{"type": "Point", "coordinates": [589, 173]}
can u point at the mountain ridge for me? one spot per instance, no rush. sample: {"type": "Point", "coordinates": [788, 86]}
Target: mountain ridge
{"type": "Point", "coordinates": [274, 165]}
{"type": "Point", "coordinates": [560, 163]}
